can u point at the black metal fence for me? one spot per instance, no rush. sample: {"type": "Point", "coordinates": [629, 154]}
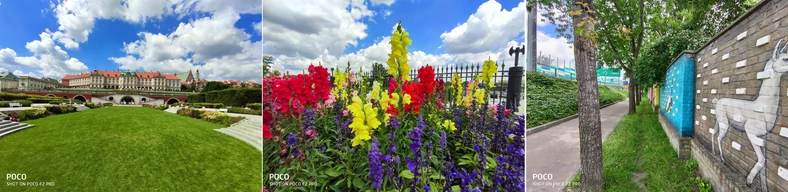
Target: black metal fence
{"type": "Point", "coordinates": [467, 72]}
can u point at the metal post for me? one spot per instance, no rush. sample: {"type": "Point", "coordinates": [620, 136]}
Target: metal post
{"type": "Point", "coordinates": [516, 74]}
{"type": "Point", "coordinates": [531, 40]}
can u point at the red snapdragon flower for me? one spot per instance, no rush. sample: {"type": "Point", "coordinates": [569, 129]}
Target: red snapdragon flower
{"type": "Point", "coordinates": [310, 133]}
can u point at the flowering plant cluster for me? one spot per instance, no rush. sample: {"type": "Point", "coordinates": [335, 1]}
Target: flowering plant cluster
{"type": "Point", "coordinates": [403, 134]}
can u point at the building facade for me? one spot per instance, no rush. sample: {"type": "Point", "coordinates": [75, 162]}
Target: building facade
{"type": "Point", "coordinates": [32, 83]}
{"type": "Point", "coordinates": [98, 79]}
{"type": "Point", "coordinates": [8, 81]}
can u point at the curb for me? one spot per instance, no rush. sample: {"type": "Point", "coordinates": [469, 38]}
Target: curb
{"type": "Point", "coordinates": [556, 122]}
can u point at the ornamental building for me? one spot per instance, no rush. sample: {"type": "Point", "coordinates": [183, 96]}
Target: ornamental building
{"type": "Point", "coordinates": [128, 80]}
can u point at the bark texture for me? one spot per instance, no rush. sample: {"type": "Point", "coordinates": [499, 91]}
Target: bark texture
{"type": "Point", "coordinates": [591, 172]}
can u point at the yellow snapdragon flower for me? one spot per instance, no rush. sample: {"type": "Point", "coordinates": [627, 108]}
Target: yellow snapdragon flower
{"type": "Point", "coordinates": [364, 120]}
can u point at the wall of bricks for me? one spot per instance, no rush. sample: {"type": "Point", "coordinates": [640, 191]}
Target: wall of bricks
{"type": "Point", "coordinates": [676, 97]}
{"type": "Point", "coordinates": [732, 71]}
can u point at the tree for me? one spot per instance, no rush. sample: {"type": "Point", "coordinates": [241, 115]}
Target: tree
{"type": "Point", "coordinates": [581, 23]}
{"type": "Point", "coordinates": [214, 86]}
{"type": "Point", "coordinates": [267, 62]}
{"type": "Point", "coordinates": [379, 73]}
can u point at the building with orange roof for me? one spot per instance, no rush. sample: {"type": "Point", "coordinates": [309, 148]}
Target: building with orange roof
{"type": "Point", "coordinates": [128, 80]}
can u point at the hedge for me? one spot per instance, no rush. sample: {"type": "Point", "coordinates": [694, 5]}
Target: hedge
{"type": "Point", "coordinates": [229, 97]}
{"type": "Point", "coordinates": [245, 111]}
{"type": "Point", "coordinates": [255, 106]}
{"type": "Point", "coordinates": [206, 105]}
{"type": "Point", "coordinates": [551, 98]}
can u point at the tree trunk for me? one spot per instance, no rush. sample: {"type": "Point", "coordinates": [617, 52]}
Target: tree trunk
{"type": "Point", "coordinates": [592, 176]}
{"type": "Point", "coordinates": [638, 94]}
{"type": "Point", "coordinates": [632, 94]}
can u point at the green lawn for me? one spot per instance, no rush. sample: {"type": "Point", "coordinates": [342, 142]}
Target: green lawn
{"type": "Point", "coordinates": [129, 149]}
{"type": "Point", "coordinates": [637, 156]}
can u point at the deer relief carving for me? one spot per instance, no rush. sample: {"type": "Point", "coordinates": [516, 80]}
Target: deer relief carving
{"type": "Point", "coordinates": [755, 118]}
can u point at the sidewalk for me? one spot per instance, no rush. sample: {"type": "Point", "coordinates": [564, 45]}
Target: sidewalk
{"type": "Point", "coordinates": [555, 152]}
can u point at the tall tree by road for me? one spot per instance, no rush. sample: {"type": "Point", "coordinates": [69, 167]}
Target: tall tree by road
{"type": "Point", "coordinates": [579, 18]}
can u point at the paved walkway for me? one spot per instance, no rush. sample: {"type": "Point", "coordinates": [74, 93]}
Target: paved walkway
{"type": "Point", "coordinates": [556, 151]}
{"type": "Point", "coordinates": [248, 130]}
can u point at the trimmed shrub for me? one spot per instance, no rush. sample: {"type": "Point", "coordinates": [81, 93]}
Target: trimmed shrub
{"type": "Point", "coordinates": [229, 97]}
{"type": "Point", "coordinates": [91, 105]}
{"type": "Point", "coordinates": [245, 111]}
{"type": "Point", "coordinates": [255, 106]}
{"type": "Point", "coordinates": [56, 102]}
{"type": "Point", "coordinates": [30, 114]}
{"type": "Point", "coordinates": [106, 104]}
{"type": "Point", "coordinates": [24, 103]}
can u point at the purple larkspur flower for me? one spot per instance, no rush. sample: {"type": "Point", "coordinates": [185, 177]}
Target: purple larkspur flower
{"type": "Point", "coordinates": [309, 119]}
{"type": "Point", "coordinates": [292, 139]}
{"type": "Point", "coordinates": [375, 166]}
{"type": "Point", "coordinates": [443, 140]}
{"type": "Point", "coordinates": [427, 188]}
{"type": "Point", "coordinates": [415, 146]}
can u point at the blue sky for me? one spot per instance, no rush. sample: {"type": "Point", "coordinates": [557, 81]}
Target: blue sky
{"type": "Point", "coordinates": [443, 32]}
{"type": "Point", "coordinates": [55, 38]}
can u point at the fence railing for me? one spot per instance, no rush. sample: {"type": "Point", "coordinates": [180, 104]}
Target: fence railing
{"type": "Point", "coordinates": [467, 73]}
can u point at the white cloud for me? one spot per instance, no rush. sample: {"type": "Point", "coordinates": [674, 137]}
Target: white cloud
{"type": "Point", "coordinates": [22, 73]}
{"type": "Point", "coordinates": [224, 51]}
{"type": "Point", "coordinates": [50, 59]}
{"type": "Point", "coordinates": [258, 27]}
{"type": "Point", "coordinates": [76, 18]}
{"type": "Point", "coordinates": [303, 28]}
{"type": "Point", "coordinates": [386, 13]}
{"type": "Point", "coordinates": [382, 2]}
{"type": "Point", "coordinates": [557, 48]}
{"type": "Point", "coordinates": [296, 41]}
{"type": "Point", "coordinates": [487, 29]}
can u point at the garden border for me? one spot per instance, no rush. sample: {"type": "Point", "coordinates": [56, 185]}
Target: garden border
{"type": "Point", "coordinates": [556, 122]}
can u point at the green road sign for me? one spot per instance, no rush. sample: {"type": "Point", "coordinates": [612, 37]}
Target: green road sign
{"type": "Point", "coordinates": [608, 72]}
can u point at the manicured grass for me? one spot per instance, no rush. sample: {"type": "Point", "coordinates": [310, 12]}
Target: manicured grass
{"type": "Point", "coordinates": [129, 149]}
{"type": "Point", "coordinates": [639, 146]}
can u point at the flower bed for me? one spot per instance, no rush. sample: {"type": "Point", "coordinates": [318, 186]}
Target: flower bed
{"type": "Point", "coordinates": [30, 114]}
{"type": "Point", "coordinates": [214, 117]}
{"type": "Point", "coordinates": [159, 107]}
{"type": "Point", "coordinates": [355, 136]}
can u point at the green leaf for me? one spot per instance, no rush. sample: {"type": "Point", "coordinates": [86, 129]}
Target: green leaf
{"type": "Point", "coordinates": [455, 188]}
{"type": "Point", "coordinates": [358, 183]}
{"type": "Point", "coordinates": [406, 174]}
{"type": "Point", "coordinates": [492, 162]}
{"type": "Point", "coordinates": [436, 176]}
{"type": "Point", "coordinates": [332, 172]}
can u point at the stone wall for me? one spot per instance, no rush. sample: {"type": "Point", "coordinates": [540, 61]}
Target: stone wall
{"type": "Point", "coordinates": [741, 103]}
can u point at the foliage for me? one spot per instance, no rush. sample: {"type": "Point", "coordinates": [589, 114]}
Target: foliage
{"type": "Point", "coordinates": [60, 109]}
{"type": "Point", "coordinates": [254, 106]}
{"type": "Point", "coordinates": [4, 96]}
{"type": "Point", "coordinates": [206, 105]}
{"type": "Point", "coordinates": [91, 105]}
{"type": "Point", "coordinates": [209, 116]}
{"type": "Point", "coordinates": [30, 114]}
{"type": "Point", "coordinates": [268, 61]}
{"type": "Point", "coordinates": [215, 86]}
{"type": "Point", "coordinates": [551, 98]}
{"type": "Point", "coordinates": [378, 73]}
{"type": "Point", "coordinates": [245, 111]}
{"type": "Point", "coordinates": [229, 97]}
{"type": "Point", "coordinates": [106, 104]}
{"type": "Point", "coordinates": [657, 57]}
{"type": "Point", "coordinates": [159, 107]}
